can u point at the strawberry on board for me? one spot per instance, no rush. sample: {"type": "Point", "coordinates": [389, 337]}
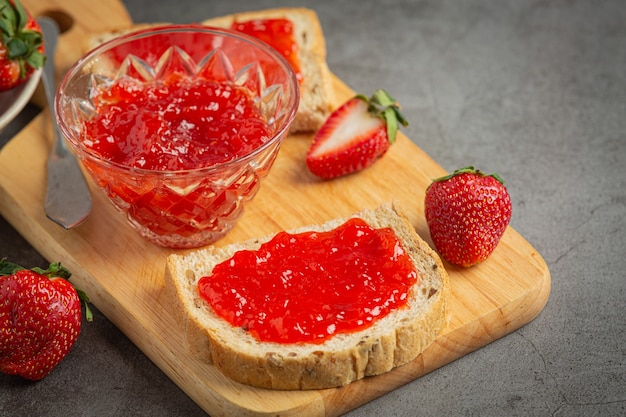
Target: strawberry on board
{"type": "Point", "coordinates": [355, 135]}
{"type": "Point", "coordinates": [467, 213]}
{"type": "Point", "coordinates": [21, 44]}
{"type": "Point", "coordinates": [40, 318]}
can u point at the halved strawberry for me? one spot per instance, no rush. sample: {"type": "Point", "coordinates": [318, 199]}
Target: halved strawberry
{"type": "Point", "coordinates": [355, 135]}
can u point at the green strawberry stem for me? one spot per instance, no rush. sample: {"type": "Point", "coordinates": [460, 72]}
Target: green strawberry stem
{"type": "Point", "coordinates": [382, 105]}
{"type": "Point", "coordinates": [84, 299]}
{"type": "Point", "coordinates": [469, 170]}
{"type": "Point", "coordinates": [55, 270]}
{"type": "Point", "coordinates": [22, 44]}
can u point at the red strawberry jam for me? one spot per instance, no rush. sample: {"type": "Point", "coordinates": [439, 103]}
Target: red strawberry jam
{"type": "Point", "coordinates": [277, 33]}
{"type": "Point", "coordinates": [178, 123]}
{"type": "Point", "coordinates": [310, 286]}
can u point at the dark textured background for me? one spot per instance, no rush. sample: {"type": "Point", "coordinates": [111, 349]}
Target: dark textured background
{"type": "Point", "coordinates": [535, 90]}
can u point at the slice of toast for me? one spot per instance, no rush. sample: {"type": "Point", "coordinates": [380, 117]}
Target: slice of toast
{"type": "Point", "coordinates": [391, 341]}
{"type": "Point", "coordinates": [316, 88]}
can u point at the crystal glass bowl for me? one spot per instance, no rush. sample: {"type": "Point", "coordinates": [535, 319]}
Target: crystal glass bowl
{"type": "Point", "coordinates": [170, 205]}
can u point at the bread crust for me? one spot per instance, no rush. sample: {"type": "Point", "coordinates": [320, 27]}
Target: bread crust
{"type": "Point", "coordinates": [316, 89]}
{"type": "Point", "coordinates": [392, 341]}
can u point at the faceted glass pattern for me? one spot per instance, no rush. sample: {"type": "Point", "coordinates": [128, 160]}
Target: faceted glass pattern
{"type": "Point", "coordinates": [191, 208]}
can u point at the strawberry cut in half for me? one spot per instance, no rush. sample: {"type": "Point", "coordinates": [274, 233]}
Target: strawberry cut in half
{"type": "Point", "coordinates": [355, 135]}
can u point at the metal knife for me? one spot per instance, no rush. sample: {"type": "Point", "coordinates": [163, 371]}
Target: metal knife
{"type": "Point", "coordinates": [68, 200]}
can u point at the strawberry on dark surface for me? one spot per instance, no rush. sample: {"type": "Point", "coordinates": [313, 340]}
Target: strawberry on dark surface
{"type": "Point", "coordinates": [21, 44]}
{"type": "Point", "coordinates": [40, 318]}
{"type": "Point", "coordinates": [355, 135]}
{"type": "Point", "coordinates": [467, 213]}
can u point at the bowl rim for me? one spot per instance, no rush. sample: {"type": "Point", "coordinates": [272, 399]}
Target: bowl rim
{"type": "Point", "coordinates": [278, 136]}
{"type": "Point", "coordinates": [25, 93]}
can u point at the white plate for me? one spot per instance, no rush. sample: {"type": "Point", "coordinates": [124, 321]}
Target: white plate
{"type": "Point", "coordinates": [13, 101]}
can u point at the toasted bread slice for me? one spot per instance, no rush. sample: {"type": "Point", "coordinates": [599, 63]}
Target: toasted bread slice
{"type": "Point", "coordinates": [391, 341]}
{"type": "Point", "coordinates": [316, 88]}
{"type": "Point", "coordinates": [316, 91]}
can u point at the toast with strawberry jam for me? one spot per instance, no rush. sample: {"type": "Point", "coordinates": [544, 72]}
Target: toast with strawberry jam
{"type": "Point", "coordinates": [313, 308]}
{"type": "Point", "coordinates": [316, 92]}
{"type": "Point", "coordinates": [296, 33]}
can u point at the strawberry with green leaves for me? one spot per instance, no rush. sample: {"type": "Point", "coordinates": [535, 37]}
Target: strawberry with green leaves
{"type": "Point", "coordinates": [355, 135]}
{"type": "Point", "coordinates": [40, 318]}
{"type": "Point", "coordinates": [21, 45]}
{"type": "Point", "coordinates": [467, 213]}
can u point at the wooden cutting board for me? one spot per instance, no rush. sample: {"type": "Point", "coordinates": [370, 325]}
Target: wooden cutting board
{"type": "Point", "coordinates": [123, 274]}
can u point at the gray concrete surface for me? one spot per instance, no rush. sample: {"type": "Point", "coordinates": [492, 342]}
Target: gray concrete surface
{"type": "Point", "coordinates": [535, 90]}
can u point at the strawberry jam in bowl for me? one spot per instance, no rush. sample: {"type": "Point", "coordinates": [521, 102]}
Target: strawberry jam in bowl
{"type": "Point", "coordinates": [178, 125]}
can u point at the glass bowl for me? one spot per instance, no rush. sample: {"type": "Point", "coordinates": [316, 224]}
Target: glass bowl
{"type": "Point", "coordinates": [172, 203]}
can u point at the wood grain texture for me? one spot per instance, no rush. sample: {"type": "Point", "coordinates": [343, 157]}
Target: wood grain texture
{"type": "Point", "coordinates": [123, 274]}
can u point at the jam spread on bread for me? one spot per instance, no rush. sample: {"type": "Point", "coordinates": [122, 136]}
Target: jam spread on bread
{"type": "Point", "coordinates": [309, 286]}
{"type": "Point", "coordinates": [277, 33]}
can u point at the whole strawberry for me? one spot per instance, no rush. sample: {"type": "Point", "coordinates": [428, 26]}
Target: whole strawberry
{"type": "Point", "coordinates": [40, 319]}
{"type": "Point", "coordinates": [355, 135]}
{"type": "Point", "coordinates": [467, 213]}
{"type": "Point", "coordinates": [21, 44]}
